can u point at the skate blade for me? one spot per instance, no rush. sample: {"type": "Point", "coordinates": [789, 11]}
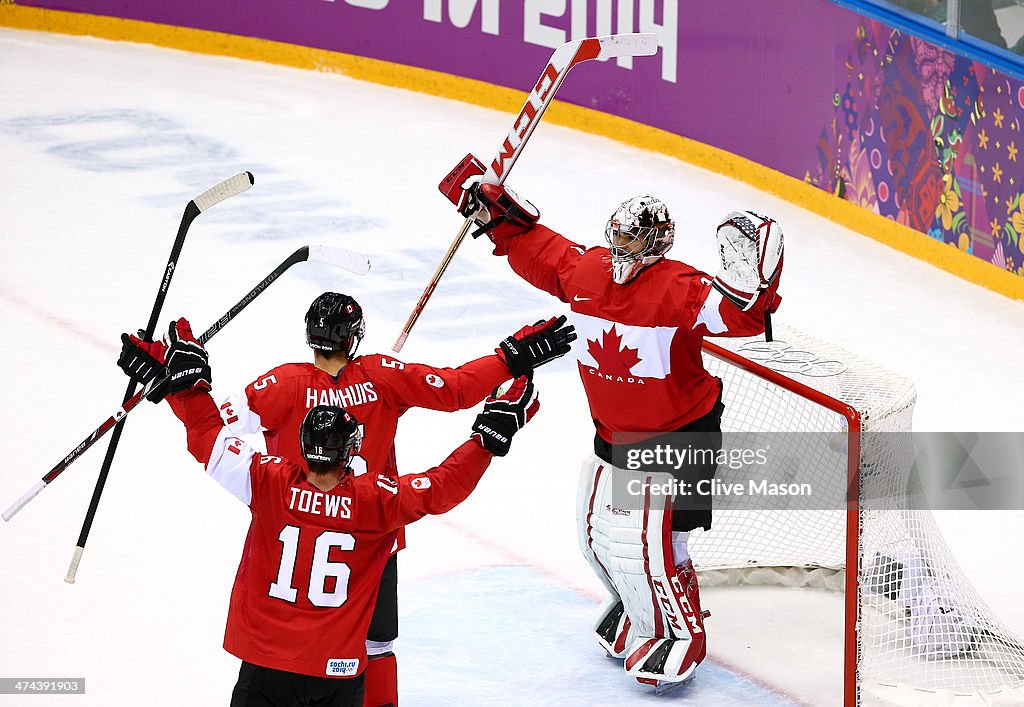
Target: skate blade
{"type": "Point", "coordinates": [663, 687]}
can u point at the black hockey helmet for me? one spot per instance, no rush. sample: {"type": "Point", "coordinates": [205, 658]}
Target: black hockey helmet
{"type": "Point", "coordinates": [334, 322]}
{"type": "Point", "coordinates": [330, 437]}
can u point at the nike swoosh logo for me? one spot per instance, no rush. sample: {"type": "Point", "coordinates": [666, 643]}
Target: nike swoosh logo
{"type": "Point", "coordinates": [577, 298]}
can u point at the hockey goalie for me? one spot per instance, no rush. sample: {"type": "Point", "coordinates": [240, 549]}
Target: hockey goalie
{"type": "Point", "coordinates": [641, 321]}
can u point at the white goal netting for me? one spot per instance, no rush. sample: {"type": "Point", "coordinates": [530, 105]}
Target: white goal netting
{"type": "Point", "coordinates": [917, 631]}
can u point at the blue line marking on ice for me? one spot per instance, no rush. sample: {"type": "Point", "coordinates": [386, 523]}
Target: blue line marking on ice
{"type": "Point", "coordinates": [465, 637]}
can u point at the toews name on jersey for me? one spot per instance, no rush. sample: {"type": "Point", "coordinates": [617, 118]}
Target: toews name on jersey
{"type": "Point", "coordinates": [319, 503]}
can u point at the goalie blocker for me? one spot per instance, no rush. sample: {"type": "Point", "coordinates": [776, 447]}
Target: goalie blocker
{"type": "Point", "coordinates": [489, 205]}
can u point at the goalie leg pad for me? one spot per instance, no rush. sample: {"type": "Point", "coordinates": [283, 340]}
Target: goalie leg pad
{"type": "Point", "coordinates": [613, 628]}
{"type": "Point", "coordinates": [613, 625]}
{"type": "Point", "coordinates": [625, 532]}
{"type": "Point", "coordinates": [672, 660]}
{"type": "Point", "coordinates": [659, 660]}
{"type": "Point", "coordinates": [592, 531]}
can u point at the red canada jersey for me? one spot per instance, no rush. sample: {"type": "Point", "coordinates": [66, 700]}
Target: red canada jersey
{"type": "Point", "coordinates": [639, 346]}
{"type": "Point", "coordinates": [376, 389]}
{"type": "Point", "coordinates": [310, 569]}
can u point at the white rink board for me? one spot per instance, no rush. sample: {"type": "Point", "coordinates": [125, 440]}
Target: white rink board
{"type": "Point", "coordinates": [103, 144]}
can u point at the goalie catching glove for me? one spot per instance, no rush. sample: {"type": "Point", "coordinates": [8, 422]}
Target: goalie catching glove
{"type": "Point", "coordinates": [179, 361]}
{"type": "Point", "coordinates": [533, 346]}
{"type": "Point", "coordinates": [751, 248]}
{"type": "Point", "coordinates": [504, 415]}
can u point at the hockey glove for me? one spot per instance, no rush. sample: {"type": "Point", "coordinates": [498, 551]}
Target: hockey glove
{"type": "Point", "coordinates": [141, 360]}
{"type": "Point", "coordinates": [188, 364]}
{"type": "Point", "coordinates": [751, 248]}
{"type": "Point", "coordinates": [497, 209]}
{"type": "Point", "coordinates": [533, 346]}
{"type": "Point", "coordinates": [504, 415]}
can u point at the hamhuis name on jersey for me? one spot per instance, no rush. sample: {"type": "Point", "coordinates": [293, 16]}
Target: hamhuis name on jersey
{"type": "Point", "coordinates": [355, 394]}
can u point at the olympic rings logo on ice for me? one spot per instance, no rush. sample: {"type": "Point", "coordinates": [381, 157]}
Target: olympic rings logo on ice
{"type": "Point", "coordinates": [778, 356]}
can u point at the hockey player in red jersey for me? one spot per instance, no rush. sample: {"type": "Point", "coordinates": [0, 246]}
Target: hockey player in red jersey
{"type": "Point", "coordinates": [320, 536]}
{"type": "Point", "coordinates": [377, 389]}
{"type": "Point", "coordinates": [642, 320]}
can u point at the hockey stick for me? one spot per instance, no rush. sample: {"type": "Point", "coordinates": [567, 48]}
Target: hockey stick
{"type": "Point", "coordinates": [347, 260]}
{"type": "Point", "coordinates": [562, 60]}
{"type": "Point", "coordinates": [226, 189]}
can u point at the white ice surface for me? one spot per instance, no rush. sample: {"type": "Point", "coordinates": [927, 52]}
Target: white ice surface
{"type": "Point", "coordinates": [102, 146]}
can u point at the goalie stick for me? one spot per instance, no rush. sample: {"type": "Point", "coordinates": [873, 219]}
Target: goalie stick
{"type": "Point", "coordinates": [345, 259]}
{"type": "Point", "coordinates": [562, 60]}
{"type": "Point", "coordinates": [209, 198]}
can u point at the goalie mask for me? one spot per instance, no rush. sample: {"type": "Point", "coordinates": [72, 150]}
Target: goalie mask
{"type": "Point", "coordinates": [334, 322]}
{"type": "Point", "coordinates": [639, 234]}
{"type": "Point", "coordinates": [329, 437]}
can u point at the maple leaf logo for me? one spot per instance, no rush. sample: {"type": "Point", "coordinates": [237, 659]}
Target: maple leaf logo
{"type": "Point", "coordinates": [612, 357]}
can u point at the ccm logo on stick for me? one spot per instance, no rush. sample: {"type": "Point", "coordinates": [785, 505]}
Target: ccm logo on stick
{"type": "Point", "coordinates": [525, 119]}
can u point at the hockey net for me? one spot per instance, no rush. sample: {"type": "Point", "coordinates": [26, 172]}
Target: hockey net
{"type": "Point", "coordinates": [916, 630]}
